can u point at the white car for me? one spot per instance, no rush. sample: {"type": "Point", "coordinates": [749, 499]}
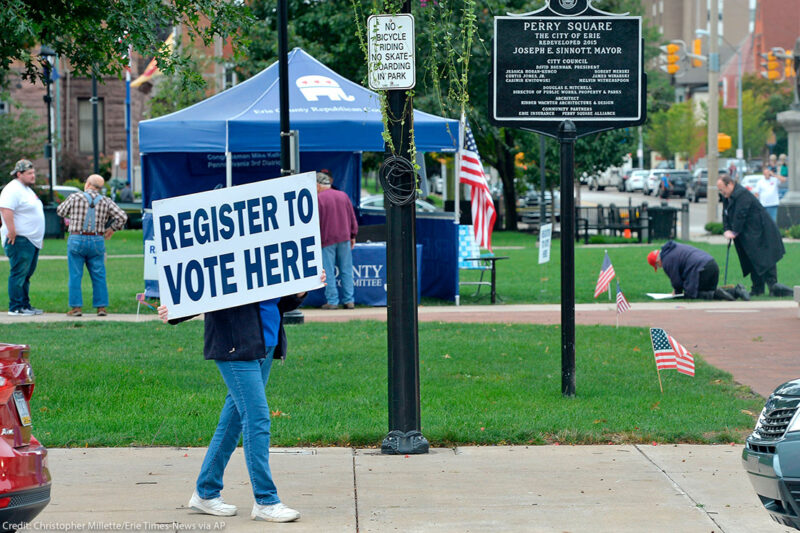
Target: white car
{"type": "Point", "coordinates": [376, 203]}
{"type": "Point", "coordinates": [636, 180]}
{"type": "Point", "coordinates": [749, 181]}
{"type": "Point", "coordinates": [653, 179]}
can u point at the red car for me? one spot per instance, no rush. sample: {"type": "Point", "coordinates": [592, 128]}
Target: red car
{"type": "Point", "coordinates": [24, 476]}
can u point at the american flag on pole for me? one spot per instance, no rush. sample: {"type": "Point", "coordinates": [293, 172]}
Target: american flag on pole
{"type": "Point", "coordinates": [622, 302]}
{"type": "Point", "coordinates": [483, 212]}
{"type": "Point", "coordinates": [606, 275]}
{"type": "Point", "coordinates": [670, 354]}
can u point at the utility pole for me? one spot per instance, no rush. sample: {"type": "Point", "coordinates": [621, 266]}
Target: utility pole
{"type": "Point", "coordinates": [712, 155]}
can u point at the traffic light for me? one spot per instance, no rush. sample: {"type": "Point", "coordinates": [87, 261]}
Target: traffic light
{"type": "Point", "coordinates": [788, 69]}
{"type": "Point", "coordinates": [723, 142]}
{"type": "Point", "coordinates": [697, 53]}
{"type": "Point", "coordinates": [674, 53]}
{"type": "Point", "coordinates": [773, 66]}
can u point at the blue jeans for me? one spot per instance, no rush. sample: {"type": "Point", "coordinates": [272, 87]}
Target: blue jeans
{"type": "Point", "coordinates": [338, 255]}
{"type": "Point", "coordinates": [22, 259]}
{"type": "Point", "coordinates": [245, 412]}
{"type": "Point", "coordinates": [773, 212]}
{"type": "Point", "coordinates": [91, 251]}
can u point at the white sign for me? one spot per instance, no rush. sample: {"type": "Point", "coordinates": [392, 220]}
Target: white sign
{"type": "Point", "coordinates": [233, 246]}
{"type": "Point", "coordinates": [150, 270]}
{"type": "Point", "coordinates": [545, 235]}
{"type": "Point", "coordinates": [391, 52]}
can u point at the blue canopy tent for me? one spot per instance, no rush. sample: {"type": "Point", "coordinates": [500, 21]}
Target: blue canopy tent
{"type": "Point", "coordinates": [233, 138]}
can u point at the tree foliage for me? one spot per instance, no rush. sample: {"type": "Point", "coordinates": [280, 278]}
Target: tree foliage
{"type": "Point", "coordinates": [777, 97]}
{"type": "Point", "coordinates": [95, 34]}
{"type": "Point", "coordinates": [676, 131]}
{"type": "Point", "coordinates": [22, 136]}
{"type": "Point", "coordinates": [755, 125]}
{"type": "Point", "coordinates": [174, 92]}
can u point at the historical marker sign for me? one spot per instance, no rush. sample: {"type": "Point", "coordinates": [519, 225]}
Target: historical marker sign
{"type": "Point", "coordinates": [548, 69]}
{"type": "Point", "coordinates": [391, 52]}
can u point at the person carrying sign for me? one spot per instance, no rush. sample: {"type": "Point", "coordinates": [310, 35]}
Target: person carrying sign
{"type": "Point", "coordinates": [243, 341]}
{"type": "Point", "coordinates": [89, 213]}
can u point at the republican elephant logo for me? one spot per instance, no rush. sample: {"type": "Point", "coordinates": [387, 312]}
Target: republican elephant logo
{"type": "Point", "coordinates": [313, 87]}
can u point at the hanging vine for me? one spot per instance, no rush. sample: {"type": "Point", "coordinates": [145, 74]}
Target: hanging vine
{"type": "Point", "coordinates": [450, 28]}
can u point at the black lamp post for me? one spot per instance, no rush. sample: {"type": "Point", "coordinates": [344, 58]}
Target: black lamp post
{"type": "Point", "coordinates": [48, 56]}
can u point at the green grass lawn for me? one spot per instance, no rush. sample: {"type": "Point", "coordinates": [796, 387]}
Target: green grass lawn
{"type": "Point", "coordinates": [520, 279]}
{"type": "Point", "coordinates": [119, 384]}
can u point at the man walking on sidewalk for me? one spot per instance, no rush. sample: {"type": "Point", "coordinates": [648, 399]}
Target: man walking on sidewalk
{"type": "Point", "coordinates": [22, 235]}
{"type": "Point", "coordinates": [89, 212]}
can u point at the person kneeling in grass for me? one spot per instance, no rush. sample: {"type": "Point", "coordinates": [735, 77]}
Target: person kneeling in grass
{"type": "Point", "coordinates": [693, 272]}
{"type": "Point", "coordinates": [243, 341]}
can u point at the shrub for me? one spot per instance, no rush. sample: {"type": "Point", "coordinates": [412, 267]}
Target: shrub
{"type": "Point", "coordinates": [714, 228]}
{"type": "Point", "coordinates": [794, 232]}
{"type": "Point", "coordinates": [609, 239]}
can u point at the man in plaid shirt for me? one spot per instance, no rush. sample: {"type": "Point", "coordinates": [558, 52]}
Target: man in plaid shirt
{"type": "Point", "coordinates": [89, 213]}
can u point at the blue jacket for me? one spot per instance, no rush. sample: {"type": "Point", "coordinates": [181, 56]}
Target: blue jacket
{"type": "Point", "coordinates": [683, 263]}
{"type": "Point", "coordinates": [235, 334]}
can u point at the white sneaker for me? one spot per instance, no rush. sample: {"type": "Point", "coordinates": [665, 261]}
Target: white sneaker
{"type": "Point", "coordinates": [35, 311]}
{"type": "Point", "coordinates": [274, 513]}
{"type": "Point", "coordinates": [22, 312]}
{"type": "Point", "coordinates": [214, 506]}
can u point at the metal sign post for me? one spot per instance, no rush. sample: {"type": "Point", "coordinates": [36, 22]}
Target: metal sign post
{"type": "Point", "coordinates": [566, 71]}
{"type": "Point", "coordinates": [391, 67]}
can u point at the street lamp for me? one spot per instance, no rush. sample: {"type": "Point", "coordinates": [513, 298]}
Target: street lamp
{"type": "Point", "coordinates": [739, 135]}
{"type": "Point", "coordinates": [48, 56]}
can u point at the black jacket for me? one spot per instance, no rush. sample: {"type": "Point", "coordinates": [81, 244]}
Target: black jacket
{"type": "Point", "coordinates": [236, 333]}
{"type": "Point", "coordinates": [758, 241]}
{"type": "Point", "coordinates": [683, 263]}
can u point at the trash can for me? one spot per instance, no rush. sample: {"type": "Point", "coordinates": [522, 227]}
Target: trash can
{"type": "Point", "coordinates": [53, 227]}
{"type": "Point", "coordinates": [662, 222]}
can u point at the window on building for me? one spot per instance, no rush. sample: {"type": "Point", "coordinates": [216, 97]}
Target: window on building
{"type": "Point", "coordinates": [85, 144]}
{"type": "Point", "coordinates": [230, 76]}
{"type": "Point", "coordinates": [3, 108]}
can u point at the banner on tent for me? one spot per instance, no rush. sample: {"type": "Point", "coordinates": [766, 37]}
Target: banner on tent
{"type": "Point", "coordinates": [228, 247]}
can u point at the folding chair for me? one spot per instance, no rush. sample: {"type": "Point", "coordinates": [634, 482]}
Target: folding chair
{"type": "Point", "coordinates": [471, 258]}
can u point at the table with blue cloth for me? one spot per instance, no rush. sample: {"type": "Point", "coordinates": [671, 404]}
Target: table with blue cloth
{"type": "Point", "coordinates": [369, 276]}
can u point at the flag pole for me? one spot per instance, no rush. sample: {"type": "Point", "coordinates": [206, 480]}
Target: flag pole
{"type": "Point", "coordinates": [456, 187]}
{"type": "Point", "coordinates": [659, 379]}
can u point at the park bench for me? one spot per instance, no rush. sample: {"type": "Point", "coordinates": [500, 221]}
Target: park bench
{"type": "Point", "coordinates": [611, 219]}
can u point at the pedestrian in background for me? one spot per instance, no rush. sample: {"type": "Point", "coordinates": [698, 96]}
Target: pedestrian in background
{"type": "Point", "coordinates": [783, 171]}
{"type": "Point", "coordinates": [766, 190]}
{"type": "Point", "coordinates": [22, 235]}
{"type": "Point", "coordinates": [89, 213]}
{"type": "Point", "coordinates": [757, 239]}
{"type": "Point", "coordinates": [338, 230]}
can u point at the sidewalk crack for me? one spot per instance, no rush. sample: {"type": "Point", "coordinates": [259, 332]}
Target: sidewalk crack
{"type": "Point", "coordinates": [355, 489]}
{"type": "Point", "coordinates": [675, 484]}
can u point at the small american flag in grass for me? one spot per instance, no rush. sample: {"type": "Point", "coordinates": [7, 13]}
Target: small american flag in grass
{"type": "Point", "coordinates": [606, 275]}
{"type": "Point", "coordinates": [669, 353]}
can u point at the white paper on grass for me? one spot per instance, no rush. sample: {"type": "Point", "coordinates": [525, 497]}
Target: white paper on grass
{"type": "Point", "coordinates": [663, 295]}
{"type": "Point", "coordinates": [276, 233]}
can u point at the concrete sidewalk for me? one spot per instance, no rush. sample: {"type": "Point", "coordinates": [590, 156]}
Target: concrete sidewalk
{"type": "Point", "coordinates": [669, 488]}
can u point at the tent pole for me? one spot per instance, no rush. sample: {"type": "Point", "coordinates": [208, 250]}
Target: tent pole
{"type": "Point", "coordinates": [228, 169]}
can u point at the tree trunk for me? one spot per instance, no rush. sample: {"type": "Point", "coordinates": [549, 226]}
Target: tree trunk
{"type": "Point", "coordinates": [505, 168]}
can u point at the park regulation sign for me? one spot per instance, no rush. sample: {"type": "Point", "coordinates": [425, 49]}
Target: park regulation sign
{"type": "Point", "coordinates": [391, 52]}
{"type": "Point", "coordinates": [567, 61]}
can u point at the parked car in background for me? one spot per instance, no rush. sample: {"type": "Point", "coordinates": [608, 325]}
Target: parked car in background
{"type": "Point", "coordinates": [698, 185]}
{"type": "Point", "coordinates": [749, 181]}
{"type": "Point", "coordinates": [653, 179]}
{"type": "Point", "coordinates": [375, 203]}
{"type": "Point", "coordinates": [24, 475]}
{"type": "Point", "coordinates": [771, 456]}
{"type": "Point", "coordinates": [636, 180]}
{"type": "Point", "coordinates": [611, 177]}
{"type": "Point", "coordinates": [677, 182]}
